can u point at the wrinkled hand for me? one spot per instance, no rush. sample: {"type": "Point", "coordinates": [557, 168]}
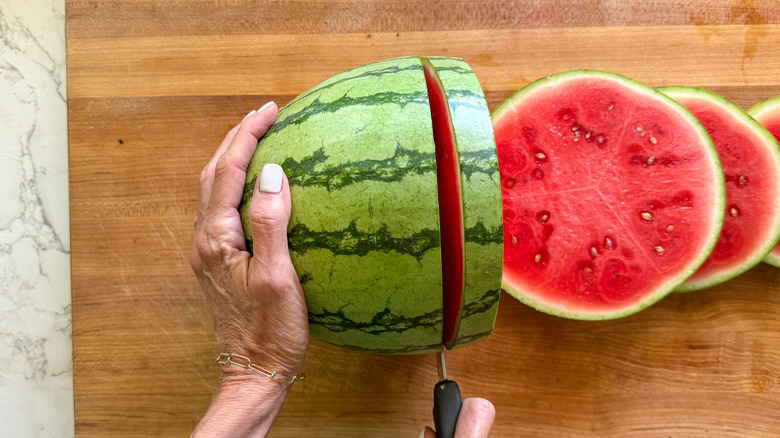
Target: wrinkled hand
{"type": "Point", "coordinates": [474, 421]}
{"type": "Point", "coordinates": [257, 301]}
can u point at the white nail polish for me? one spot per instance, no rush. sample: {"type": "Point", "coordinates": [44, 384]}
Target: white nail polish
{"type": "Point", "coordinates": [422, 433]}
{"type": "Point", "coordinates": [271, 178]}
{"type": "Point", "coordinates": [265, 106]}
{"type": "Point", "coordinates": [250, 113]}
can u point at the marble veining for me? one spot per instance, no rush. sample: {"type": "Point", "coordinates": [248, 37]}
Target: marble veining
{"type": "Point", "coordinates": [36, 372]}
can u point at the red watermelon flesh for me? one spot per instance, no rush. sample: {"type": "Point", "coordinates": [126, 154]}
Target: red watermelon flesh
{"type": "Point", "coordinates": [450, 206]}
{"type": "Point", "coordinates": [612, 192]}
{"type": "Point", "coordinates": [768, 114]}
{"type": "Point", "coordinates": [751, 164]}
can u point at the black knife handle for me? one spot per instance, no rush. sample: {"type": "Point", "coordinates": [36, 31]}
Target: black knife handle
{"type": "Point", "coordinates": [446, 407]}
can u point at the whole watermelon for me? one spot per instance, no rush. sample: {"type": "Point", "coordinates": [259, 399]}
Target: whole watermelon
{"type": "Point", "coordinates": [364, 236]}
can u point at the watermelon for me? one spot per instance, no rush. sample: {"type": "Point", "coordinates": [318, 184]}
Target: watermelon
{"type": "Point", "coordinates": [481, 225]}
{"type": "Point", "coordinates": [750, 157]}
{"type": "Point", "coordinates": [767, 113]}
{"type": "Point", "coordinates": [360, 152]}
{"type": "Point", "coordinates": [613, 194]}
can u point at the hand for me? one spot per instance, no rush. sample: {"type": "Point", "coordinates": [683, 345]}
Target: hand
{"type": "Point", "coordinates": [474, 421]}
{"type": "Point", "coordinates": [257, 302]}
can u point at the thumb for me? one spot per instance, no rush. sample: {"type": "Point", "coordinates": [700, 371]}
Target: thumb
{"type": "Point", "coordinates": [269, 214]}
{"type": "Point", "coordinates": [475, 419]}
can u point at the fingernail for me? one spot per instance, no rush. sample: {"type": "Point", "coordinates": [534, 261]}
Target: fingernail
{"type": "Point", "coordinates": [271, 178]}
{"type": "Point", "coordinates": [250, 113]}
{"type": "Point", "coordinates": [265, 106]}
{"type": "Point", "coordinates": [422, 433]}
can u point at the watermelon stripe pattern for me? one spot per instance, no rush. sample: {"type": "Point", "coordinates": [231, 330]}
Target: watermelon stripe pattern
{"type": "Point", "coordinates": [481, 191]}
{"type": "Point", "coordinates": [358, 151]}
{"type": "Point", "coordinates": [317, 107]}
{"type": "Point", "coordinates": [356, 73]}
{"type": "Point", "coordinates": [351, 241]}
{"type": "Point", "coordinates": [308, 172]}
{"type": "Point", "coordinates": [394, 168]}
{"type": "Point", "coordinates": [364, 236]}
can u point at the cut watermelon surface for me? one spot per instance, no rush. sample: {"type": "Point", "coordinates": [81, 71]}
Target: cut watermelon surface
{"type": "Point", "coordinates": [450, 206]}
{"type": "Point", "coordinates": [768, 114]}
{"type": "Point", "coordinates": [612, 194]}
{"type": "Point", "coordinates": [750, 158]}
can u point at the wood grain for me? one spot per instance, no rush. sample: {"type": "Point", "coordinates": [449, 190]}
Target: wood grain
{"type": "Point", "coordinates": [153, 87]}
{"type": "Point", "coordinates": [112, 19]}
{"type": "Point", "coordinates": [251, 64]}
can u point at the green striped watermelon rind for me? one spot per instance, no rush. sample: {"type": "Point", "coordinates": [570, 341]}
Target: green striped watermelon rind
{"type": "Point", "coordinates": [665, 288]}
{"type": "Point", "coordinates": [358, 151]}
{"type": "Point", "coordinates": [481, 192]}
{"type": "Point", "coordinates": [768, 106]}
{"type": "Point", "coordinates": [771, 145]}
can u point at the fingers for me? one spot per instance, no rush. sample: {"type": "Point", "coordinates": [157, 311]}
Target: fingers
{"type": "Point", "coordinates": [475, 419]}
{"type": "Point", "coordinates": [426, 432]}
{"type": "Point", "coordinates": [207, 174]}
{"type": "Point", "coordinates": [269, 214]}
{"type": "Point", "coordinates": [230, 167]}
{"type": "Point", "coordinates": [218, 228]}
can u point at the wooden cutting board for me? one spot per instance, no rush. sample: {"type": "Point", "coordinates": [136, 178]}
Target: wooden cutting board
{"type": "Point", "coordinates": [154, 85]}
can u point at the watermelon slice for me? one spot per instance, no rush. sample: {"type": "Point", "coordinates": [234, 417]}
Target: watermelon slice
{"type": "Point", "coordinates": [450, 206]}
{"type": "Point", "coordinates": [612, 194]}
{"type": "Point", "coordinates": [768, 114]}
{"type": "Point", "coordinates": [751, 163]}
{"type": "Point", "coordinates": [472, 183]}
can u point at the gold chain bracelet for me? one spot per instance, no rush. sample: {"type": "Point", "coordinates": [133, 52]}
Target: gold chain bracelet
{"type": "Point", "coordinates": [245, 362]}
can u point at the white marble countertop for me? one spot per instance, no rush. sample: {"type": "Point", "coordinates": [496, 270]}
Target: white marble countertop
{"type": "Point", "coordinates": [36, 371]}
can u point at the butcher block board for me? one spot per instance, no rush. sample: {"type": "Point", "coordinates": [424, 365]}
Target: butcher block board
{"type": "Point", "coordinates": [154, 85]}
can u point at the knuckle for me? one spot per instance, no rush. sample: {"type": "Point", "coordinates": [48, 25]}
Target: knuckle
{"type": "Point", "coordinates": [204, 248]}
{"type": "Point", "coordinates": [222, 251]}
{"type": "Point", "coordinates": [267, 280]}
{"type": "Point", "coordinates": [213, 243]}
{"type": "Point", "coordinates": [268, 218]}
{"type": "Point", "coordinates": [224, 163]}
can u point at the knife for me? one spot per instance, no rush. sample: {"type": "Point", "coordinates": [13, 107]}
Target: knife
{"type": "Point", "coordinates": [446, 401]}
